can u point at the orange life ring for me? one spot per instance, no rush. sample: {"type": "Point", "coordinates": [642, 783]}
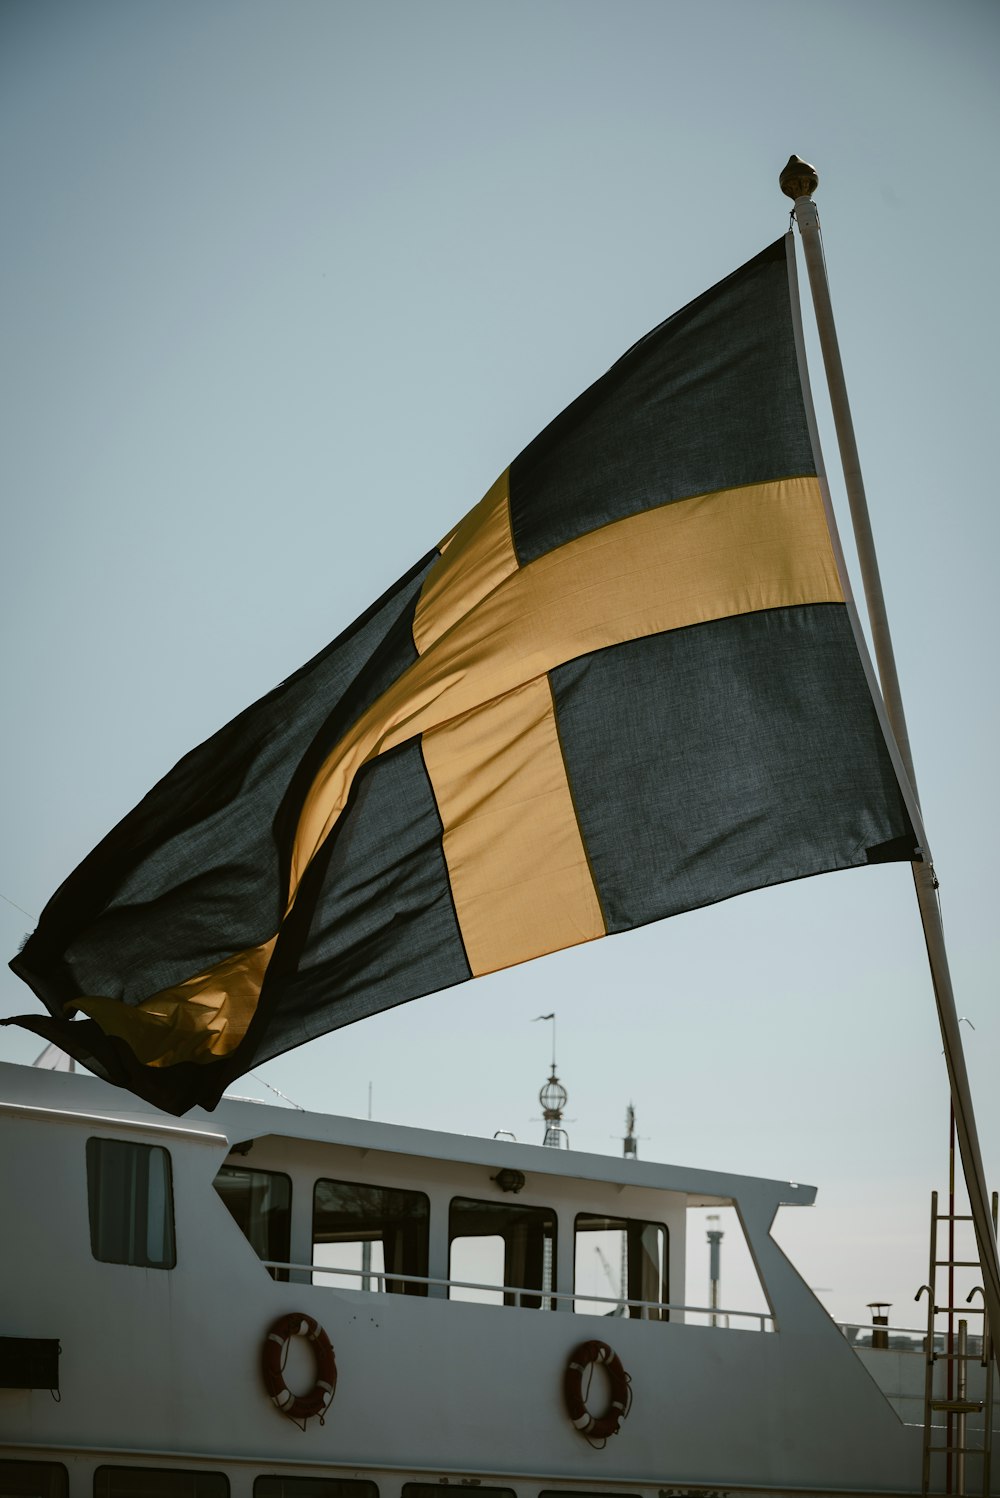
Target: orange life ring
{"type": "Point", "coordinates": [320, 1396]}
{"type": "Point", "coordinates": [596, 1427]}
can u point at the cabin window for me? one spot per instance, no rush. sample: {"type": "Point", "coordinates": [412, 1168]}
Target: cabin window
{"type": "Point", "coordinates": [260, 1203]}
{"type": "Point", "coordinates": [619, 1259]}
{"type": "Point", "coordinates": [316, 1487]}
{"type": "Point", "coordinates": [370, 1237]}
{"type": "Point", "coordinates": [508, 1247]}
{"type": "Point", "coordinates": [433, 1490]}
{"type": "Point", "coordinates": [158, 1482]}
{"type": "Point", "coordinates": [580, 1493]}
{"type": "Point", "coordinates": [33, 1480]}
{"type": "Point", "coordinates": [131, 1203]}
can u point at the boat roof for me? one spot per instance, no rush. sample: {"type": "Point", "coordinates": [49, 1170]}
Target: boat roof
{"type": "Point", "coordinates": [33, 1092]}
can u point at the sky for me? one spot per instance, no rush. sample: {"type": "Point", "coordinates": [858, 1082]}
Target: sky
{"type": "Point", "coordinates": [287, 285]}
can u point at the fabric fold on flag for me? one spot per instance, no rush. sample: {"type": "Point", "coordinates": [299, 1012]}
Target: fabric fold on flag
{"type": "Point", "coordinates": [624, 686]}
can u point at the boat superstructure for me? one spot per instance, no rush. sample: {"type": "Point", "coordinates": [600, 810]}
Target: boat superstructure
{"type": "Point", "coordinates": [151, 1256]}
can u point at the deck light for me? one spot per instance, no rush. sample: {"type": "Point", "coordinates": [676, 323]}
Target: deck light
{"type": "Point", "coordinates": [509, 1180]}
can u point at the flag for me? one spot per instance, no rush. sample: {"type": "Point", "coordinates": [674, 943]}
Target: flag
{"type": "Point", "coordinates": [627, 684]}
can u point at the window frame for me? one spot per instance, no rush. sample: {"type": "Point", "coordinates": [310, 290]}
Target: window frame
{"type": "Point", "coordinates": [227, 1164]}
{"type": "Point", "coordinates": [297, 1486]}
{"type": "Point", "coordinates": [57, 1485]}
{"type": "Point", "coordinates": [106, 1490]}
{"type": "Point", "coordinates": [430, 1489]}
{"type": "Point", "coordinates": [628, 1224]}
{"type": "Point", "coordinates": [530, 1297]}
{"type": "Point", "coordinates": [95, 1145]}
{"type": "Point", "coordinates": [394, 1281]}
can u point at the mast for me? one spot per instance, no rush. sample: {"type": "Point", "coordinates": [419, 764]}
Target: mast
{"type": "Point", "coordinates": [799, 181]}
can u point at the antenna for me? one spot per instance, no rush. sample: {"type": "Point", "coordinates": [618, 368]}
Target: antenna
{"type": "Point", "coordinates": [630, 1144]}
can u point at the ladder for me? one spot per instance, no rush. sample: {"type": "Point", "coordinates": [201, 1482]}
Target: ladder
{"type": "Point", "coordinates": [956, 1406]}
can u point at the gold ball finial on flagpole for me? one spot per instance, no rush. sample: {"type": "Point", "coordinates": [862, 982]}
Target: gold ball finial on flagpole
{"type": "Point", "coordinates": [798, 179]}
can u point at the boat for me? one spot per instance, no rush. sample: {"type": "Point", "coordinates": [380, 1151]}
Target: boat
{"type": "Point", "coordinates": [269, 1302]}
{"type": "Point", "coordinates": [211, 1297]}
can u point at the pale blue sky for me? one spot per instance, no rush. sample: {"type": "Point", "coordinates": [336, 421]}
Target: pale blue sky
{"type": "Point", "coordinates": [285, 287]}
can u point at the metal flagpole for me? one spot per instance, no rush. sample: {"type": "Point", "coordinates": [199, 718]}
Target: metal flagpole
{"type": "Point", "coordinates": [799, 181]}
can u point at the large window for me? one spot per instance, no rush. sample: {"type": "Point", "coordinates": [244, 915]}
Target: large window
{"type": "Point", "coordinates": [33, 1480]}
{"type": "Point", "coordinates": [433, 1490]}
{"type": "Point", "coordinates": [131, 1203]}
{"type": "Point", "coordinates": [317, 1487]}
{"type": "Point", "coordinates": [158, 1482]}
{"type": "Point", "coordinates": [502, 1244]}
{"type": "Point", "coordinates": [578, 1493]}
{"type": "Point", "coordinates": [620, 1259]}
{"type": "Point", "coordinates": [372, 1235]}
{"type": "Point", "coordinates": [260, 1202]}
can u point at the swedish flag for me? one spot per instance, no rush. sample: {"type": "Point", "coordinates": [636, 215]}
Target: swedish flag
{"type": "Point", "coordinates": [627, 684]}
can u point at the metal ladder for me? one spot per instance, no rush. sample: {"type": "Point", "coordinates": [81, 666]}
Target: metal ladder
{"type": "Point", "coordinates": [956, 1406]}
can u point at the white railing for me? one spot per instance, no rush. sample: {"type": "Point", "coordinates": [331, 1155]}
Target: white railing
{"type": "Point", "coordinates": [516, 1295]}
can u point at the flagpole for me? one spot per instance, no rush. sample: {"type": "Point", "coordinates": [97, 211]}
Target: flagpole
{"type": "Point", "coordinates": [799, 181]}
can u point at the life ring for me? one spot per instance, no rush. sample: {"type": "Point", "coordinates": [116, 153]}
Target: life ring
{"type": "Point", "coordinates": [596, 1427]}
{"type": "Point", "coordinates": [318, 1400]}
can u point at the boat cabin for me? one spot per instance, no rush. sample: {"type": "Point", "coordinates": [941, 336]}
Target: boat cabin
{"type": "Point", "coordinates": [262, 1301]}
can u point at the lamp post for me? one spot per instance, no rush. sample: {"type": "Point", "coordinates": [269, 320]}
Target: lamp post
{"type": "Point", "coordinates": [715, 1236]}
